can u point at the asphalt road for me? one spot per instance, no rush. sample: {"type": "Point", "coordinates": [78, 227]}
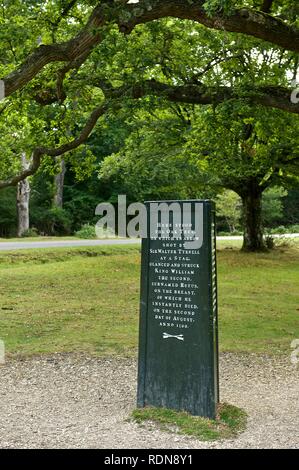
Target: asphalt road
{"type": "Point", "coordinates": [23, 245]}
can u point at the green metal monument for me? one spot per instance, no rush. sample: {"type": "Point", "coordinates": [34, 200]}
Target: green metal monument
{"type": "Point", "coordinates": [178, 344]}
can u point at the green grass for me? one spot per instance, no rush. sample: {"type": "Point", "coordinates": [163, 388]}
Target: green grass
{"type": "Point", "coordinates": [70, 300]}
{"type": "Point", "coordinates": [44, 239]}
{"type": "Point", "coordinates": [37, 239]}
{"type": "Point", "coordinates": [259, 300]}
{"type": "Point", "coordinates": [229, 422]}
{"type": "Point", "coordinates": [87, 300]}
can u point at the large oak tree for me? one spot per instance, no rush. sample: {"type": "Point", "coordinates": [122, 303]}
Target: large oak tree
{"type": "Point", "coordinates": [95, 55]}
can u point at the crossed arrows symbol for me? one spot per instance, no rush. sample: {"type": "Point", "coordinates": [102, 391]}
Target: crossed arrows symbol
{"type": "Point", "coordinates": [180, 337]}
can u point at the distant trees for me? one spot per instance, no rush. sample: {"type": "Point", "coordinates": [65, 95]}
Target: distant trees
{"type": "Point", "coordinates": [272, 207]}
{"type": "Point", "coordinates": [228, 207]}
{"type": "Point", "coordinates": [187, 152]}
{"type": "Point", "coordinates": [247, 150]}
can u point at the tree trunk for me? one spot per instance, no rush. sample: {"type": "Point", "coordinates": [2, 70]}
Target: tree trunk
{"type": "Point", "coordinates": [23, 198]}
{"type": "Point", "coordinates": [252, 219]}
{"type": "Point", "coordinates": [59, 183]}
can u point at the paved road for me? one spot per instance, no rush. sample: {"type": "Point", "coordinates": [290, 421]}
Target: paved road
{"type": "Point", "coordinates": [64, 244]}
{"type": "Point", "coordinates": [22, 245]}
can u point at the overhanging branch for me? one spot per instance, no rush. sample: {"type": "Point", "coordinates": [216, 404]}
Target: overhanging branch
{"type": "Point", "coordinates": [247, 21]}
{"type": "Point", "coordinates": [274, 97]}
{"type": "Point", "coordinates": [269, 96]}
{"type": "Point", "coordinates": [40, 152]}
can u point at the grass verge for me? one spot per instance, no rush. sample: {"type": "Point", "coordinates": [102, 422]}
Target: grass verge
{"type": "Point", "coordinates": [87, 300]}
{"type": "Point", "coordinates": [37, 239]}
{"type": "Point", "coordinates": [230, 421]}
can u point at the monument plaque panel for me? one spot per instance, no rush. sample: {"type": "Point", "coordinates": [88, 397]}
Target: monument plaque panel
{"type": "Point", "coordinates": [178, 352]}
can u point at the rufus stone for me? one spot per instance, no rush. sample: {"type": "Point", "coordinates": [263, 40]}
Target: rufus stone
{"type": "Point", "coordinates": [178, 345]}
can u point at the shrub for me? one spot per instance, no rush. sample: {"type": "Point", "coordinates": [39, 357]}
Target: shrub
{"type": "Point", "coordinates": [53, 221]}
{"type": "Point", "coordinates": [31, 232]}
{"type": "Point", "coordinates": [279, 230]}
{"type": "Point", "coordinates": [230, 234]}
{"type": "Point", "coordinates": [294, 228]}
{"type": "Point", "coordinates": [8, 212]}
{"type": "Point", "coordinates": [86, 231]}
{"type": "Point", "coordinates": [59, 220]}
{"type": "Point", "coordinates": [272, 206]}
{"type": "Point", "coordinates": [89, 231]}
{"type": "Point", "coordinates": [104, 232]}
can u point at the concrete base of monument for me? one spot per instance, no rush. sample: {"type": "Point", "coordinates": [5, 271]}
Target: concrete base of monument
{"type": "Point", "coordinates": [229, 422]}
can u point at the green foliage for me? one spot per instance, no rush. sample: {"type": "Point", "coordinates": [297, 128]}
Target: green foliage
{"type": "Point", "coordinates": [239, 142]}
{"type": "Point", "coordinates": [291, 207]}
{"type": "Point", "coordinates": [151, 164]}
{"type": "Point", "coordinates": [80, 204]}
{"type": "Point", "coordinates": [279, 243]}
{"type": "Point", "coordinates": [214, 7]}
{"type": "Point", "coordinates": [272, 208]}
{"type": "Point", "coordinates": [30, 233]}
{"type": "Point", "coordinates": [58, 220]}
{"type": "Point", "coordinates": [282, 229]}
{"type": "Point", "coordinates": [25, 123]}
{"type": "Point", "coordinates": [86, 231]}
{"type": "Point", "coordinates": [228, 207]}
{"type": "Point", "coordinates": [154, 149]}
{"type": "Point", "coordinates": [51, 221]}
{"type": "Point", "coordinates": [294, 228]}
{"type": "Point", "coordinates": [8, 212]}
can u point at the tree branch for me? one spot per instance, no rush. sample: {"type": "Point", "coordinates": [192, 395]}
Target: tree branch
{"type": "Point", "coordinates": [40, 152]}
{"type": "Point", "coordinates": [269, 96]}
{"type": "Point", "coordinates": [247, 21]}
{"type": "Point", "coordinates": [69, 51]}
{"type": "Point", "coordinates": [274, 97]}
{"type": "Point", "coordinates": [244, 20]}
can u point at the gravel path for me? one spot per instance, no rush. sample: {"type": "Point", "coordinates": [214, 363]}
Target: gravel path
{"type": "Point", "coordinates": [69, 401]}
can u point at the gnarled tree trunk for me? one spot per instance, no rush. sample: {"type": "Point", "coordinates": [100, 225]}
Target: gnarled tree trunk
{"type": "Point", "coordinates": [23, 198]}
{"type": "Point", "coordinates": [252, 218]}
